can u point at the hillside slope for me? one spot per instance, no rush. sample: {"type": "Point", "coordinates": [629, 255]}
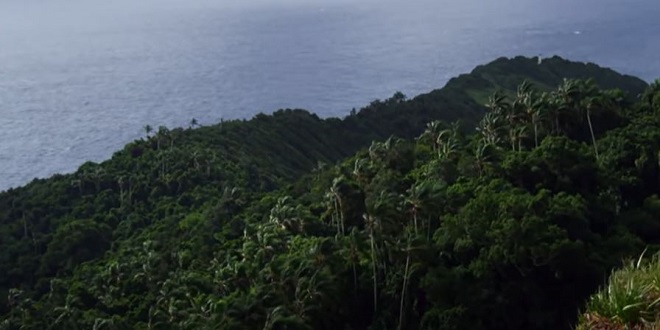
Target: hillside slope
{"type": "Point", "coordinates": [116, 242]}
{"type": "Point", "coordinates": [463, 98]}
{"type": "Point", "coordinates": [506, 74]}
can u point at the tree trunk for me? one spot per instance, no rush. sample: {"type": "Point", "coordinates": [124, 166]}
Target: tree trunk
{"type": "Point", "coordinates": [355, 282]}
{"type": "Point", "coordinates": [536, 134]}
{"type": "Point", "coordinates": [373, 262]}
{"type": "Point", "coordinates": [593, 137]}
{"type": "Point", "coordinates": [415, 219]}
{"type": "Point", "coordinates": [337, 216]}
{"type": "Point", "coordinates": [403, 289]}
{"type": "Point", "coordinates": [512, 139]}
{"type": "Point", "coordinates": [341, 215]}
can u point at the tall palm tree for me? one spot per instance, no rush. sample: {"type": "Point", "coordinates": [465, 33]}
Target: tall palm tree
{"type": "Point", "coordinates": [483, 155]}
{"type": "Point", "coordinates": [335, 191]}
{"type": "Point", "coordinates": [510, 112]}
{"type": "Point", "coordinates": [376, 151]}
{"type": "Point", "coordinates": [121, 181]}
{"type": "Point", "coordinates": [490, 127]}
{"type": "Point", "coordinates": [566, 98]}
{"type": "Point", "coordinates": [353, 255]}
{"type": "Point", "coordinates": [100, 323]}
{"type": "Point", "coordinates": [592, 102]}
{"type": "Point", "coordinates": [497, 102]}
{"type": "Point", "coordinates": [386, 207]}
{"type": "Point", "coordinates": [284, 215]}
{"type": "Point", "coordinates": [537, 111]}
{"type": "Point", "coordinates": [420, 199]}
{"type": "Point", "coordinates": [513, 116]}
{"type": "Point", "coordinates": [447, 143]}
{"type": "Point", "coordinates": [531, 107]}
{"type": "Point", "coordinates": [371, 223]}
{"type": "Point", "coordinates": [525, 90]}
{"type": "Point", "coordinates": [360, 170]}
{"type": "Point", "coordinates": [519, 133]}
{"type": "Point", "coordinates": [68, 313]}
{"type": "Point", "coordinates": [414, 202]}
{"type": "Point", "coordinates": [432, 132]}
{"type": "Point", "coordinates": [592, 99]}
{"type": "Point", "coordinates": [406, 275]}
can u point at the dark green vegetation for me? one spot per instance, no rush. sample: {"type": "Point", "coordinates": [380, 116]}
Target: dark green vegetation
{"type": "Point", "coordinates": [631, 299]}
{"type": "Point", "coordinates": [293, 222]}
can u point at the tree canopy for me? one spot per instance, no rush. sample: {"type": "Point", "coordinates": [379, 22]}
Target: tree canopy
{"type": "Point", "coordinates": [396, 216]}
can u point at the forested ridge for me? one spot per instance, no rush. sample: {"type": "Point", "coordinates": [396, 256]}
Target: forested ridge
{"type": "Point", "coordinates": [396, 216]}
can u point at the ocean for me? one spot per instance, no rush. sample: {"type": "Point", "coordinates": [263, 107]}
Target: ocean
{"type": "Point", "coordinates": [81, 78]}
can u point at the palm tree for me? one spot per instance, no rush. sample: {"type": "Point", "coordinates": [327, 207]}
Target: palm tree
{"type": "Point", "coordinates": [525, 90]}
{"type": "Point", "coordinates": [448, 143]}
{"type": "Point", "coordinates": [353, 255]}
{"type": "Point", "coordinates": [593, 99]}
{"type": "Point", "coordinates": [67, 313]}
{"type": "Point", "coordinates": [566, 98]}
{"type": "Point", "coordinates": [280, 315]}
{"type": "Point", "coordinates": [382, 210]}
{"type": "Point", "coordinates": [14, 297]}
{"type": "Point", "coordinates": [513, 116]}
{"type": "Point", "coordinates": [389, 146]}
{"type": "Point", "coordinates": [120, 182]}
{"type": "Point", "coordinates": [318, 169]}
{"type": "Point", "coordinates": [284, 215]}
{"type": "Point", "coordinates": [497, 102]}
{"type": "Point", "coordinates": [336, 199]}
{"type": "Point", "coordinates": [421, 196]}
{"type": "Point", "coordinates": [432, 132]}
{"type": "Point", "coordinates": [511, 112]}
{"type": "Point", "coordinates": [99, 323]}
{"type": "Point", "coordinates": [531, 107]}
{"type": "Point", "coordinates": [414, 200]}
{"type": "Point", "coordinates": [592, 102]}
{"type": "Point", "coordinates": [360, 170]}
{"type": "Point", "coordinates": [386, 207]}
{"type": "Point", "coordinates": [490, 127]}
{"type": "Point", "coordinates": [376, 151]}
{"type": "Point", "coordinates": [482, 156]}
{"type": "Point", "coordinates": [406, 275]}
{"type": "Point", "coordinates": [371, 225]}
{"type": "Point", "coordinates": [519, 134]}
{"type": "Point", "coordinates": [536, 111]}
{"type": "Point", "coordinates": [269, 241]}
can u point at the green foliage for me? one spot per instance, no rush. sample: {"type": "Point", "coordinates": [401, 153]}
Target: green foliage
{"type": "Point", "coordinates": [630, 299]}
{"type": "Point", "coordinates": [388, 218]}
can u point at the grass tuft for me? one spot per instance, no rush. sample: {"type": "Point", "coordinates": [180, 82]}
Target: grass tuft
{"type": "Point", "coordinates": [631, 299]}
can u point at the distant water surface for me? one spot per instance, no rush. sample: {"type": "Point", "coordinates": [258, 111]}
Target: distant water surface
{"type": "Point", "coordinates": [80, 78]}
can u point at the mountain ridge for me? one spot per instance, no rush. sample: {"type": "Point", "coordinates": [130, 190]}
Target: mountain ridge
{"type": "Point", "coordinates": [131, 224]}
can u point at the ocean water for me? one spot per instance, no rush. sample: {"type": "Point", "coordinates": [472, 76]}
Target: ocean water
{"type": "Point", "coordinates": [80, 78]}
